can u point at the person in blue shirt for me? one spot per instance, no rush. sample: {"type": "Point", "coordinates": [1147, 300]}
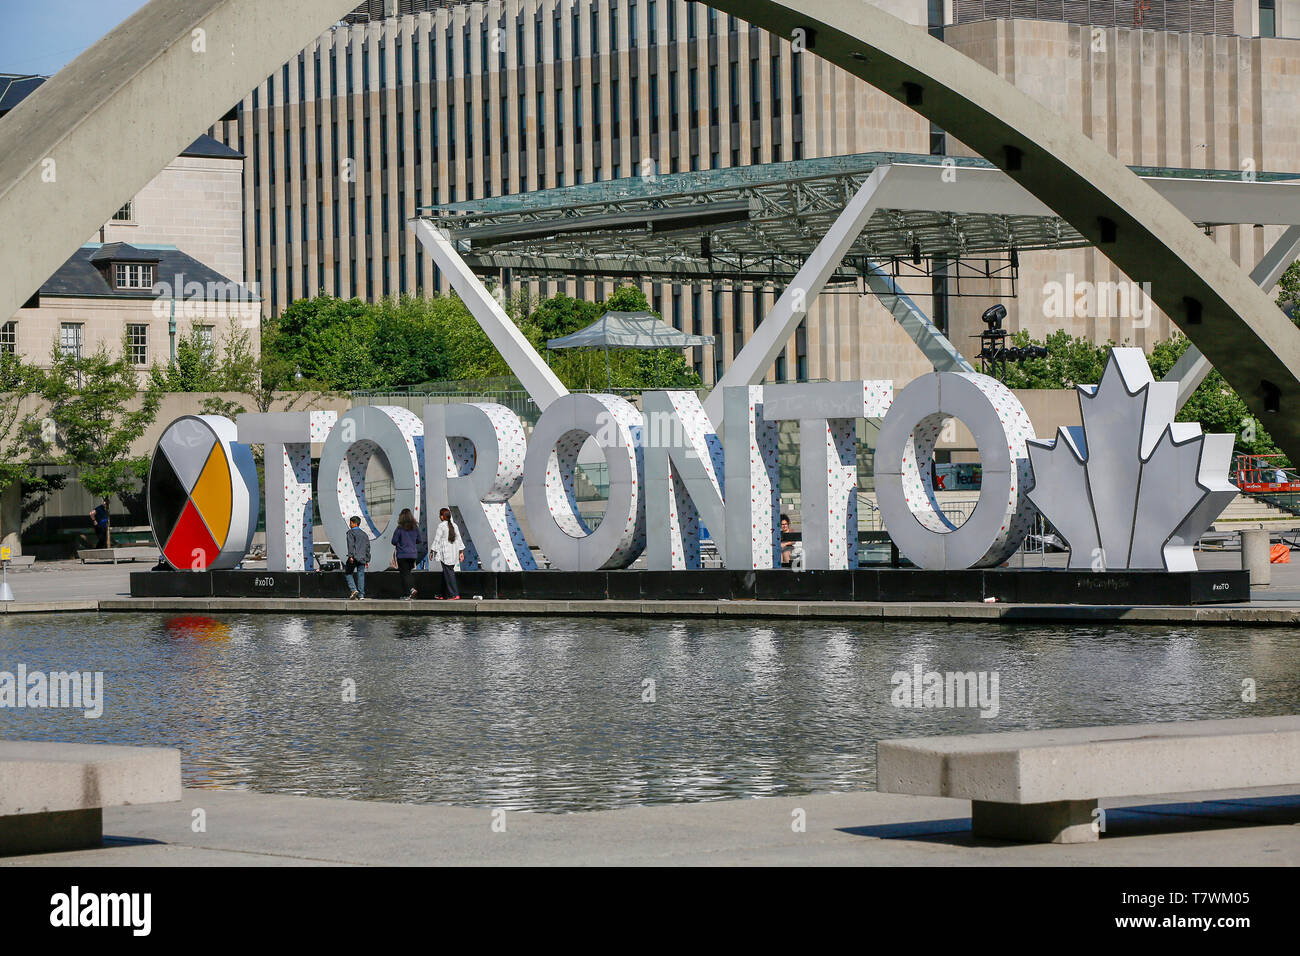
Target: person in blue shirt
{"type": "Point", "coordinates": [410, 543]}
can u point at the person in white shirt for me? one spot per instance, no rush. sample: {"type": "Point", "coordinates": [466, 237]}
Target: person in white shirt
{"type": "Point", "coordinates": [448, 550]}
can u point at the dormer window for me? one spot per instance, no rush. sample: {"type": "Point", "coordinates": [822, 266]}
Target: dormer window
{"type": "Point", "coordinates": [127, 269]}
{"type": "Point", "coordinates": [130, 275]}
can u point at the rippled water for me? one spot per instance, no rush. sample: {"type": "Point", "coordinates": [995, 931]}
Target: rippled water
{"type": "Point", "coordinates": [549, 714]}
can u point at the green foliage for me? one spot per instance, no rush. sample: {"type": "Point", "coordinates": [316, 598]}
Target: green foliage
{"type": "Point", "coordinates": [1288, 291]}
{"type": "Point", "coordinates": [1215, 405]}
{"type": "Point", "coordinates": [558, 316]}
{"type": "Point", "coordinates": [585, 369]}
{"type": "Point", "coordinates": [1073, 361]}
{"type": "Point", "coordinates": [1070, 361]}
{"type": "Point", "coordinates": [19, 383]}
{"type": "Point", "coordinates": [349, 345]}
{"type": "Point", "coordinates": [227, 365]}
{"type": "Point", "coordinates": [627, 298]}
{"type": "Point", "coordinates": [329, 340]}
{"type": "Point", "coordinates": [90, 426]}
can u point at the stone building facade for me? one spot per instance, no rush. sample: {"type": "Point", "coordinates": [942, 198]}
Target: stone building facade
{"type": "Point", "coordinates": [169, 263]}
{"type": "Point", "coordinates": [447, 101]}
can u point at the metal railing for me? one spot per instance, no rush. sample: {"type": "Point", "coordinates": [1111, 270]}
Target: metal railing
{"type": "Point", "coordinates": [1288, 501]}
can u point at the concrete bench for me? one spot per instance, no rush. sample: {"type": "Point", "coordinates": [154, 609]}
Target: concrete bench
{"type": "Point", "coordinates": [118, 554]}
{"type": "Point", "coordinates": [1042, 786]}
{"type": "Point", "coordinates": [52, 796]}
{"type": "Point", "coordinates": [19, 561]}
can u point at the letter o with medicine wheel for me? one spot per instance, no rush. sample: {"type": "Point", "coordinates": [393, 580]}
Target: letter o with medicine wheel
{"type": "Point", "coordinates": [202, 494]}
{"type": "Point", "coordinates": [905, 449]}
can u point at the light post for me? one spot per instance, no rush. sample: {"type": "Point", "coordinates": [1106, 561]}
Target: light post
{"type": "Point", "coordinates": [994, 352]}
{"type": "Point", "coordinates": [171, 328]}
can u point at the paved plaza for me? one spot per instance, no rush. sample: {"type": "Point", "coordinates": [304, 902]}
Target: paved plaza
{"type": "Point", "coordinates": [1247, 828]}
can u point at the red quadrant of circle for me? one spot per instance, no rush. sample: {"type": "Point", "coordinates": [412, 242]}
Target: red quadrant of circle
{"type": "Point", "coordinates": [191, 535]}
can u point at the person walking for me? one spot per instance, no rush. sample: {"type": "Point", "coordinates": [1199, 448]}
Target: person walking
{"type": "Point", "coordinates": [410, 543]}
{"type": "Point", "coordinates": [448, 550]}
{"type": "Point", "coordinates": [99, 518]}
{"type": "Point", "coordinates": [357, 560]}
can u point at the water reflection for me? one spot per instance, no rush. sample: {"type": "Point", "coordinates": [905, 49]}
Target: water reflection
{"type": "Point", "coordinates": [196, 627]}
{"type": "Point", "coordinates": [551, 714]}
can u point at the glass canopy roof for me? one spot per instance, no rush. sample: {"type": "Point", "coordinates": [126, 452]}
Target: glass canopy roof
{"type": "Point", "coordinates": [746, 224]}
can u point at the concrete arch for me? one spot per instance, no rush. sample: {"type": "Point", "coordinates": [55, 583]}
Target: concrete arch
{"type": "Point", "coordinates": [93, 135]}
{"type": "Point", "coordinates": [1211, 299]}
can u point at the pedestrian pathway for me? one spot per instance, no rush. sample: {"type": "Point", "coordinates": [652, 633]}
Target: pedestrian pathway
{"type": "Point", "coordinates": [1242, 828]}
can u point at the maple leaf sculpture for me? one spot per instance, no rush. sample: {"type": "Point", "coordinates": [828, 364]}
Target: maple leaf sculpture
{"type": "Point", "coordinates": [1132, 488]}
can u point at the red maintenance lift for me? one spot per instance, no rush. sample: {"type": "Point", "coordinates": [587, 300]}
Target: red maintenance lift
{"type": "Point", "coordinates": [1264, 474]}
{"type": "Point", "coordinates": [1268, 474]}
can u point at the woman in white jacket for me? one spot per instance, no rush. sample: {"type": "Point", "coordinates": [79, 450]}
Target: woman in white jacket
{"type": "Point", "coordinates": [448, 549]}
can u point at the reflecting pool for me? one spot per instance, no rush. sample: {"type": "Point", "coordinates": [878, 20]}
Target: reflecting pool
{"type": "Point", "coordinates": [563, 714]}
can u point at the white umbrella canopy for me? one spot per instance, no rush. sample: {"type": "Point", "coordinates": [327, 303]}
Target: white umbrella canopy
{"type": "Point", "coordinates": [629, 330]}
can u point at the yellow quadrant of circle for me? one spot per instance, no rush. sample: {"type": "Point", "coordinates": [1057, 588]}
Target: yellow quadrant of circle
{"type": "Point", "coordinates": [211, 495]}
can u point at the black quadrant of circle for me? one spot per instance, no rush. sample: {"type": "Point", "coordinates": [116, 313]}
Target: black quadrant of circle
{"type": "Point", "coordinates": [167, 498]}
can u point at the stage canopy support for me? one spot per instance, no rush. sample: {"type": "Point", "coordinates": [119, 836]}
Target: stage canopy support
{"type": "Point", "coordinates": [542, 384]}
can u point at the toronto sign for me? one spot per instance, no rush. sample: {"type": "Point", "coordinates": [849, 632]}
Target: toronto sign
{"type": "Point", "coordinates": [1128, 489]}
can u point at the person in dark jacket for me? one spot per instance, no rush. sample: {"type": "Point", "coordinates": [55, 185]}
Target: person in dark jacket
{"type": "Point", "coordinates": [357, 560]}
{"type": "Point", "coordinates": [99, 518]}
{"type": "Point", "coordinates": [410, 543]}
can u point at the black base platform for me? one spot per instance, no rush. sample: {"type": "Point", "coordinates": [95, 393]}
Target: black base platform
{"type": "Point", "coordinates": [1006, 585]}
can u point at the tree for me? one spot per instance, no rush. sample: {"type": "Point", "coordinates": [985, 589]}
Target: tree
{"type": "Point", "coordinates": [1070, 361]}
{"type": "Point", "coordinates": [405, 341]}
{"type": "Point", "coordinates": [1288, 291]}
{"type": "Point", "coordinates": [467, 351]}
{"type": "Point", "coordinates": [87, 400]}
{"type": "Point", "coordinates": [1073, 361]}
{"type": "Point", "coordinates": [408, 338]}
{"type": "Point", "coordinates": [19, 383]}
{"type": "Point", "coordinates": [228, 365]}
{"type": "Point", "coordinates": [1214, 404]}
{"type": "Point", "coordinates": [329, 341]}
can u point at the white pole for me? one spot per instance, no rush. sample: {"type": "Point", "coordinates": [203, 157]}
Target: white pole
{"type": "Point", "coordinates": [542, 384]}
{"type": "Point", "coordinates": [792, 307]}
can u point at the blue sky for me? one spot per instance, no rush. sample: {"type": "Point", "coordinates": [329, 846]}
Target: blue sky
{"type": "Point", "coordinates": [42, 36]}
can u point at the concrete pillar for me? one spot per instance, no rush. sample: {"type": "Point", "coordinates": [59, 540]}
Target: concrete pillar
{"type": "Point", "coordinates": [11, 519]}
{"type": "Point", "coordinates": [1064, 821]}
{"type": "Point", "coordinates": [1255, 557]}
